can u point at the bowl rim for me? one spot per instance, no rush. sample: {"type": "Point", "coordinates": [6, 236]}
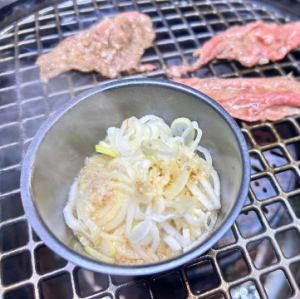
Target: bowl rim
{"type": "Point", "coordinates": [69, 254]}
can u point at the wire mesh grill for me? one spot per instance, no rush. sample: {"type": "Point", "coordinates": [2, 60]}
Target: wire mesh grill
{"type": "Point", "coordinates": [258, 258]}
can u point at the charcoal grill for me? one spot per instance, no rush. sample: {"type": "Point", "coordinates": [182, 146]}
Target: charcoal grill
{"type": "Point", "coordinates": [258, 258]}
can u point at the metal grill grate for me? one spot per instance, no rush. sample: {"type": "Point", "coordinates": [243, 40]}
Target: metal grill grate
{"type": "Point", "coordinates": [258, 258]}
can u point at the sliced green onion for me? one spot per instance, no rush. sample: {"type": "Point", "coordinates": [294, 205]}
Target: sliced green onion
{"type": "Point", "coordinates": [105, 151]}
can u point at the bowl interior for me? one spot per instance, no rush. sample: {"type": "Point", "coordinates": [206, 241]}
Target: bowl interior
{"type": "Point", "coordinates": [71, 139]}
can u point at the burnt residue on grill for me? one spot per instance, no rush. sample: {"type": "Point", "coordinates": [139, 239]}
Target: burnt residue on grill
{"type": "Point", "coordinates": [258, 257]}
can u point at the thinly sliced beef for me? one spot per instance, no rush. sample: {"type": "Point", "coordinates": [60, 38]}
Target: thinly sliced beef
{"type": "Point", "coordinates": [252, 99]}
{"type": "Point", "coordinates": [112, 46]}
{"type": "Point", "coordinates": [256, 43]}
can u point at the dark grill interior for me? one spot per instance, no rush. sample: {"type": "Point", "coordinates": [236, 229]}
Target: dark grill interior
{"type": "Point", "coordinates": [258, 258]}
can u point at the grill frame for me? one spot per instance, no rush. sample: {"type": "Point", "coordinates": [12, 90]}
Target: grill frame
{"type": "Point", "coordinates": [20, 120]}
